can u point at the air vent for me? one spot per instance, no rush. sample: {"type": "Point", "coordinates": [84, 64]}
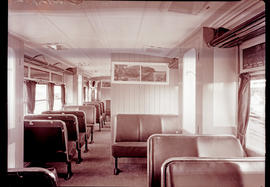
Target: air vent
{"type": "Point", "coordinates": [173, 64]}
{"type": "Point", "coordinates": [154, 50]}
{"type": "Point", "coordinates": [55, 46]}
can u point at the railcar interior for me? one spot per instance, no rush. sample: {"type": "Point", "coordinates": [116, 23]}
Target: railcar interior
{"type": "Point", "coordinates": [136, 93]}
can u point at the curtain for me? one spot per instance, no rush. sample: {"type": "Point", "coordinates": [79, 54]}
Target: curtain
{"type": "Point", "coordinates": [243, 107]}
{"type": "Point", "coordinates": [31, 95]}
{"type": "Point", "coordinates": [63, 94]}
{"type": "Point", "coordinates": [51, 95]}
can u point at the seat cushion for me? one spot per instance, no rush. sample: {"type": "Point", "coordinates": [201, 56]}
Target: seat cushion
{"type": "Point", "coordinates": [129, 149]}
{"type": "Point", "coordinates": [219, 146]}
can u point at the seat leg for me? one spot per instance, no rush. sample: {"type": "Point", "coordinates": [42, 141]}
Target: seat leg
{"type": "Point", "coordinates": [79, 160]}
{"type": "Point", "coordinates": [86, 142]}
{"type": "Point", "coordinates": [92, 135]}
{"type": "Point", "coordinates": [116, 169]}
{"type": "Point", "coordinates": [69, 172]}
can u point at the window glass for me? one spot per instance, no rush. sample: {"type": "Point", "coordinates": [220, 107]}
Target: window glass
{"type": "Point", "coordinates": [255, 138]}
{"type": "Point", "coordinates": [189, 91]}
{"type": "Point", "coordinates": [57, 98]}
{"type": "Point", "coordinates": [41, 102]}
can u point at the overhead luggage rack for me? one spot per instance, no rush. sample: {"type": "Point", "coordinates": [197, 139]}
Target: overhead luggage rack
{"type": "Point", "coordinates": [245, 31]}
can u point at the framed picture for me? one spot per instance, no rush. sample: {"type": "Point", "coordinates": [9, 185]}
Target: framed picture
{"type": "Point", "coordinates": [105, 84]}
{"type": "Point", "coordinates": [252, 55]}
{"type": "Point", "coordinates": [140, 73]}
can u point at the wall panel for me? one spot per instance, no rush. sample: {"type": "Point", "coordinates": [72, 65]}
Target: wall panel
{"type": "Point", "coordinates": [144, 99]}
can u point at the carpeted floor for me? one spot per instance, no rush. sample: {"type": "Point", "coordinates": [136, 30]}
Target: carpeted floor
{"type": "Point", "coordinates": [96, 169]}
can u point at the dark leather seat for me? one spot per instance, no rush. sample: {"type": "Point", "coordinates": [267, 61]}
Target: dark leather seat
{"type": "Point", "coordinates": [205, 172]}
{"type": "Point", "coordinates": [46, 141]}
{"type": "Point", "coordinates": [162, 147]}
{"type": "Point", "coordinates": [32, 177]}
{"type": "Point", "coordinates": [90, 120]}
{"type": "Point", "coordinates": [81, 117]}
{"type": "Point", "coordinates": [133, 130]}
{"type": "Point", "coordinates": [90, 112]}
{"type": "Point", "coordinates": [99, 118]}
{"type": "Point", "coordinates": [72, 128]}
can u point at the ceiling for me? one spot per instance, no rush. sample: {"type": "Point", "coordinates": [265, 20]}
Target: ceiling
{"type": "Point", "coordinates": [89, 32]}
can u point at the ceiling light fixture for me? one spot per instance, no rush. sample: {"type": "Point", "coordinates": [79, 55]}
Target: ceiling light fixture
{"type": "Point", "coordinates": [55, 46]}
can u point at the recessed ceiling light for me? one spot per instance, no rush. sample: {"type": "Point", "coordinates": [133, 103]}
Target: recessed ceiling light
{"type": "Point", "coordinates": [55, 46]}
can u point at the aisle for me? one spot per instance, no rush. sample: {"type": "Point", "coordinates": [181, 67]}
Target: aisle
{"type": "Point", "coordinates": [97, 167]}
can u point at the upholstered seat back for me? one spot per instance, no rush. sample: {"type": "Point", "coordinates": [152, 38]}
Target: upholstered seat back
{"type": "Point", "coordinates": [31, 176]}
{"type": "Point", "coordinates": [45, 140]}
{"type": "Point", "coordinates": [79, 114]}
{"type": "Point", "coordinates": [138, 127]}
{"type": "Point", "coordinates": [90, 112]}
{"type": "Point", "coordinates": [69, 119]}
{"type": "Point", "coordinates": [194, 172]}
{"type": "Point", "coordinates": [97, 106]}
{"type": "Point", "coordinates": [162, 147]}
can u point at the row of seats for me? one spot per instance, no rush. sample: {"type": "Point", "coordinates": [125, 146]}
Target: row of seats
{"type": "Point", "coordinates": [175, 159]}
{"type": "Point", "coordinates": [56, 136]}
{"type": "Point", "coordinates": [201, 160]}
{"type": "Point", "coordinates": [100, 112]}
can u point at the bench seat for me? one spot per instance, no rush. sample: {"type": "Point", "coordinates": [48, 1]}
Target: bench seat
{"type": "Point", "coordinates": [133, 130]}
{"type": "Point", "coordinates": [129, 149]}
{"type": "Point", "coordinates": [161, 147]}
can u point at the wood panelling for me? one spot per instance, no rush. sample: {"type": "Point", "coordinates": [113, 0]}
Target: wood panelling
{"type": "Point", "coordinates": [144, 99]}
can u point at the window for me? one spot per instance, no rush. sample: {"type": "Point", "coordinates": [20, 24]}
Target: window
{"type": "Point", "coordinates": [41, 102]}
{"type": "Point", "coordinates": [57, 98]}
{"type": "Point", "coordinates": [255, 139]}
{"type": "Point", "coordinates": [189, 91]}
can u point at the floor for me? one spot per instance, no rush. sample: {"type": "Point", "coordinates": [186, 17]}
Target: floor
{"type": "Point", "coordinates": [96, 169]}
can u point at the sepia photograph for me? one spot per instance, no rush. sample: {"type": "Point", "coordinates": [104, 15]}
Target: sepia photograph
{"type": "Point", "coordinates": [134, 93]}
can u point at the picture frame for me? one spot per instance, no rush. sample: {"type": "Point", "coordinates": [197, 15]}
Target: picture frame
{"type": "Point", "coordinates": [252, 55]}
{"type": "Point", "coordinates": [140, 73]}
